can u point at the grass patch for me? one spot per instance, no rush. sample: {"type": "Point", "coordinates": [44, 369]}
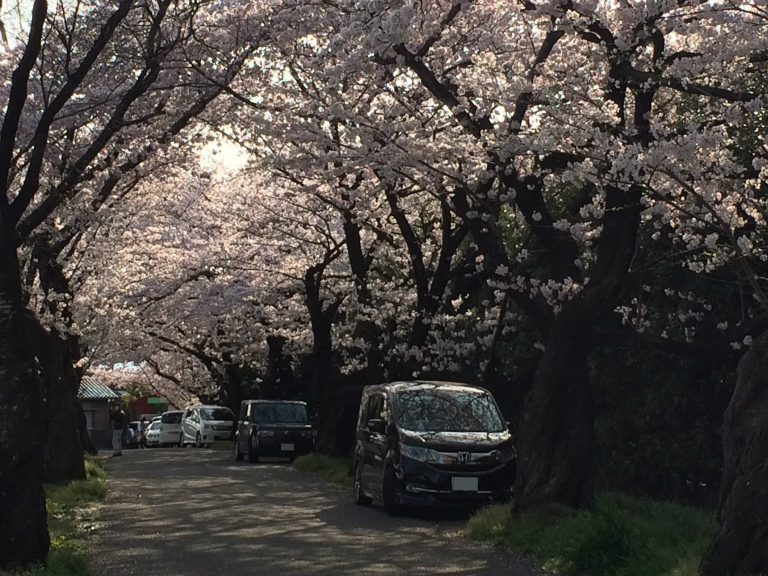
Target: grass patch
{"type": "Point", "coordinates": [333, 469]}
{"type": "Point", "coordinates": [65, 504]}
{"type": "Point", "coordinates": [622, 536]}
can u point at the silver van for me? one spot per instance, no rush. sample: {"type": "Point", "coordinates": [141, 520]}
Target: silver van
{"type": "Point", "coordinates": [170, 427]}
{"type": "Point", "coordinates": [202, 425]}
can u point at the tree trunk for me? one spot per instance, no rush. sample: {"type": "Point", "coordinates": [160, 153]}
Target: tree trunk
{"type": "Point", "coordinates": [322, 385]}
{"type": "Point", "coordinates": [280, 382]}
{"type": "Point", "coordinates": [556, 435]}
{"type": "Point", "coordinates": [58, 353]}
{"type": "Point", "coordinates": [63, 449]}
{"type": "Point", "coordinates": [741, 544]}
{"type": "Point", "coordinates": [23, 528]}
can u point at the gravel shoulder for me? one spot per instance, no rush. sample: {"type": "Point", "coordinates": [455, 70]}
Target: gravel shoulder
{"type": "Point", "coordinates": [190, 512]}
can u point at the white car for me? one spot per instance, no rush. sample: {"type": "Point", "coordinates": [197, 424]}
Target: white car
{"type": "Point", "coordinates": [170, 427]}
{"type": "Point", "coordinates": [153, 434]}
{"type": "Point", "coordinates": [202, 425]}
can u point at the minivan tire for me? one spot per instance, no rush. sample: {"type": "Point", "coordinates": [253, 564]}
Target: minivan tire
{"type": "Point", "coordinates": [181, 440]}
{"type": "Point", "coordinates": [238, 455]}
{"type": "Point", "coordinates": [198, 441]}
{"type": "Point", "coordinates": [360, 498]}
{"type": "Point", "coordinates": [388, 492]}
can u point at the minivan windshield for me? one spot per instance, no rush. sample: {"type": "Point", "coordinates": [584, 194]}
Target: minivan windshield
{"type": "Point", "coordinates": [276, 412]}
{"type": "Point", "coordinates": [436, 410]}
{"type": "Point", "coordinates": [216, 414]}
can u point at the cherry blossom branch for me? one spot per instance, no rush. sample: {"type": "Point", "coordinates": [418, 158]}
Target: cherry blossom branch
{"type": "Point", "coordinates": [198, 106]}
{"type": "Point", "coordinates": [442, 92]}
{"type": "Point", "coordinates": [726, 229]}
{"type": "Point", "coordinates": [642, 80]}
{"type": "Point", "coordinates": [17, 98]}
{"type": "Point", "coordinates": [155, 365]}
{"type": "Point", "coordinates": [40, 139]}
{"type": "Point", "coordinates": [525, 98]}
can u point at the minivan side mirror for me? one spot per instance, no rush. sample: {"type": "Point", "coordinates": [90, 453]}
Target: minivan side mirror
{"type": "Point", "coordinates": [377, 425]}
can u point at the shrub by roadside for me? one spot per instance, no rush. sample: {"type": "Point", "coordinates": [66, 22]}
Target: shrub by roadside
{"type": "Point", "coordinates": [336, 470]}
{"type": "Point", "coordinates": [622, 536]}
{"type": "Point", "coordinates": [66, 505]}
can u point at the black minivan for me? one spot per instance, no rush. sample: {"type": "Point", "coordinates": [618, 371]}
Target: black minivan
{"type": "Point", "coordinates": [431, 443]}
{"type": "Point", "coordinates": [273, 428]}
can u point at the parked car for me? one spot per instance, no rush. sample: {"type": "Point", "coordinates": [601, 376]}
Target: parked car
{"type": "Point", "coordinates": [431, 443]}
{"type": "Point", "coordinates": [132, 435]}
{"type": "Point", "coordinates": [202, 425]}
{"type": "Point", "coordinates": [170, 427]}
{"type": "Point", "coordinates": [153, 434]}
{"type": "Point", "coordinates": [273, 428]}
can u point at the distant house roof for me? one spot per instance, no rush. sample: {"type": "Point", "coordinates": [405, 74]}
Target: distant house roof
{"type": "Point", "coordinates": [92, 389]}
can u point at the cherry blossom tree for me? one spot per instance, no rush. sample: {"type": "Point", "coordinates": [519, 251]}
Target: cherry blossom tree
{"type": "Point", "coordinates": [230, 260]}
{"type": "Point", "coordinates": [95, 90]}
{"type": "Point", "coordinates": [321, 131]}
{"type": "Point", "coordinates": [575, 122]}
{"type": "Point", "coordinates": [560, 151]}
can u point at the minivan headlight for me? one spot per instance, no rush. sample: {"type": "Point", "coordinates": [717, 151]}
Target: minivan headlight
{"type": "Point", "coordinates": [266, 433]}
{"type": "Point", "coordinates": [414, 452]}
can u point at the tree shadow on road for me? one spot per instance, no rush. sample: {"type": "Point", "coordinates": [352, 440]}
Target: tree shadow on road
{"type": "Point", "coordinates": [190, 512]}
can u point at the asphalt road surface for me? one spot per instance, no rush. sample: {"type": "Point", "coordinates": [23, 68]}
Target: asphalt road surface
{"type": "Point", "coordinates": [197, 512]}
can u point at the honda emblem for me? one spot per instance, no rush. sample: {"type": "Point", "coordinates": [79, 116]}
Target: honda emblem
{"type": "Point", "coordinates": [464, 457]}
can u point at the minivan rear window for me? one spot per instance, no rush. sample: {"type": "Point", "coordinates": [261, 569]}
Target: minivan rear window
{"type": "Point", "coordinates": [171, 418]}
{"type": "Point", "coordinates": [435, 410]}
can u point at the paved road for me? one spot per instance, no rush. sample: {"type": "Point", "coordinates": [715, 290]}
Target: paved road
{"type": "Point", "coordinates": [190, 512]}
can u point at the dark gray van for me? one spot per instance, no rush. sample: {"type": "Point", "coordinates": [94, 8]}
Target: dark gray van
{"type": "Point", "coordinates": [431, 443]}
{"type": "Point", "coordinates": [273, 428]}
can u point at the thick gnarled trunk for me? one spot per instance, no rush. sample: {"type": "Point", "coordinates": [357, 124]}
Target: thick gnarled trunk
{"type": "Point", "coordinates": [23, 527]}
{"type": "Point", "coordinates": [58, 353]}
{"type": "Point", "coordinates": [63, 448]}
{"type": "Point", "coordinates": [741, 544]}
{"type": "Point", "coordinates": [556, 436]}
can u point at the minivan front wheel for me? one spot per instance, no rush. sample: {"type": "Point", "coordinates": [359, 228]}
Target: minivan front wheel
{"type": "Point", "coordinates": [238, 455]}
{"type": "Point", "coordinates": [388, 492]}
{"type": "Point", "coordinates": [360, 498]}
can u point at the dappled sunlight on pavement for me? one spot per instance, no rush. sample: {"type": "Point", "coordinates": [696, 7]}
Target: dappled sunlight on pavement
{"type": "Point", "coordinates": [193, 512]}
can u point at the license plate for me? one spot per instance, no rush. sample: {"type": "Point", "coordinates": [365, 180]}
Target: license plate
{"type": "Point", "coordinates": [286, 447]}
{"type": "Point", "coordinates": [464, 484]}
